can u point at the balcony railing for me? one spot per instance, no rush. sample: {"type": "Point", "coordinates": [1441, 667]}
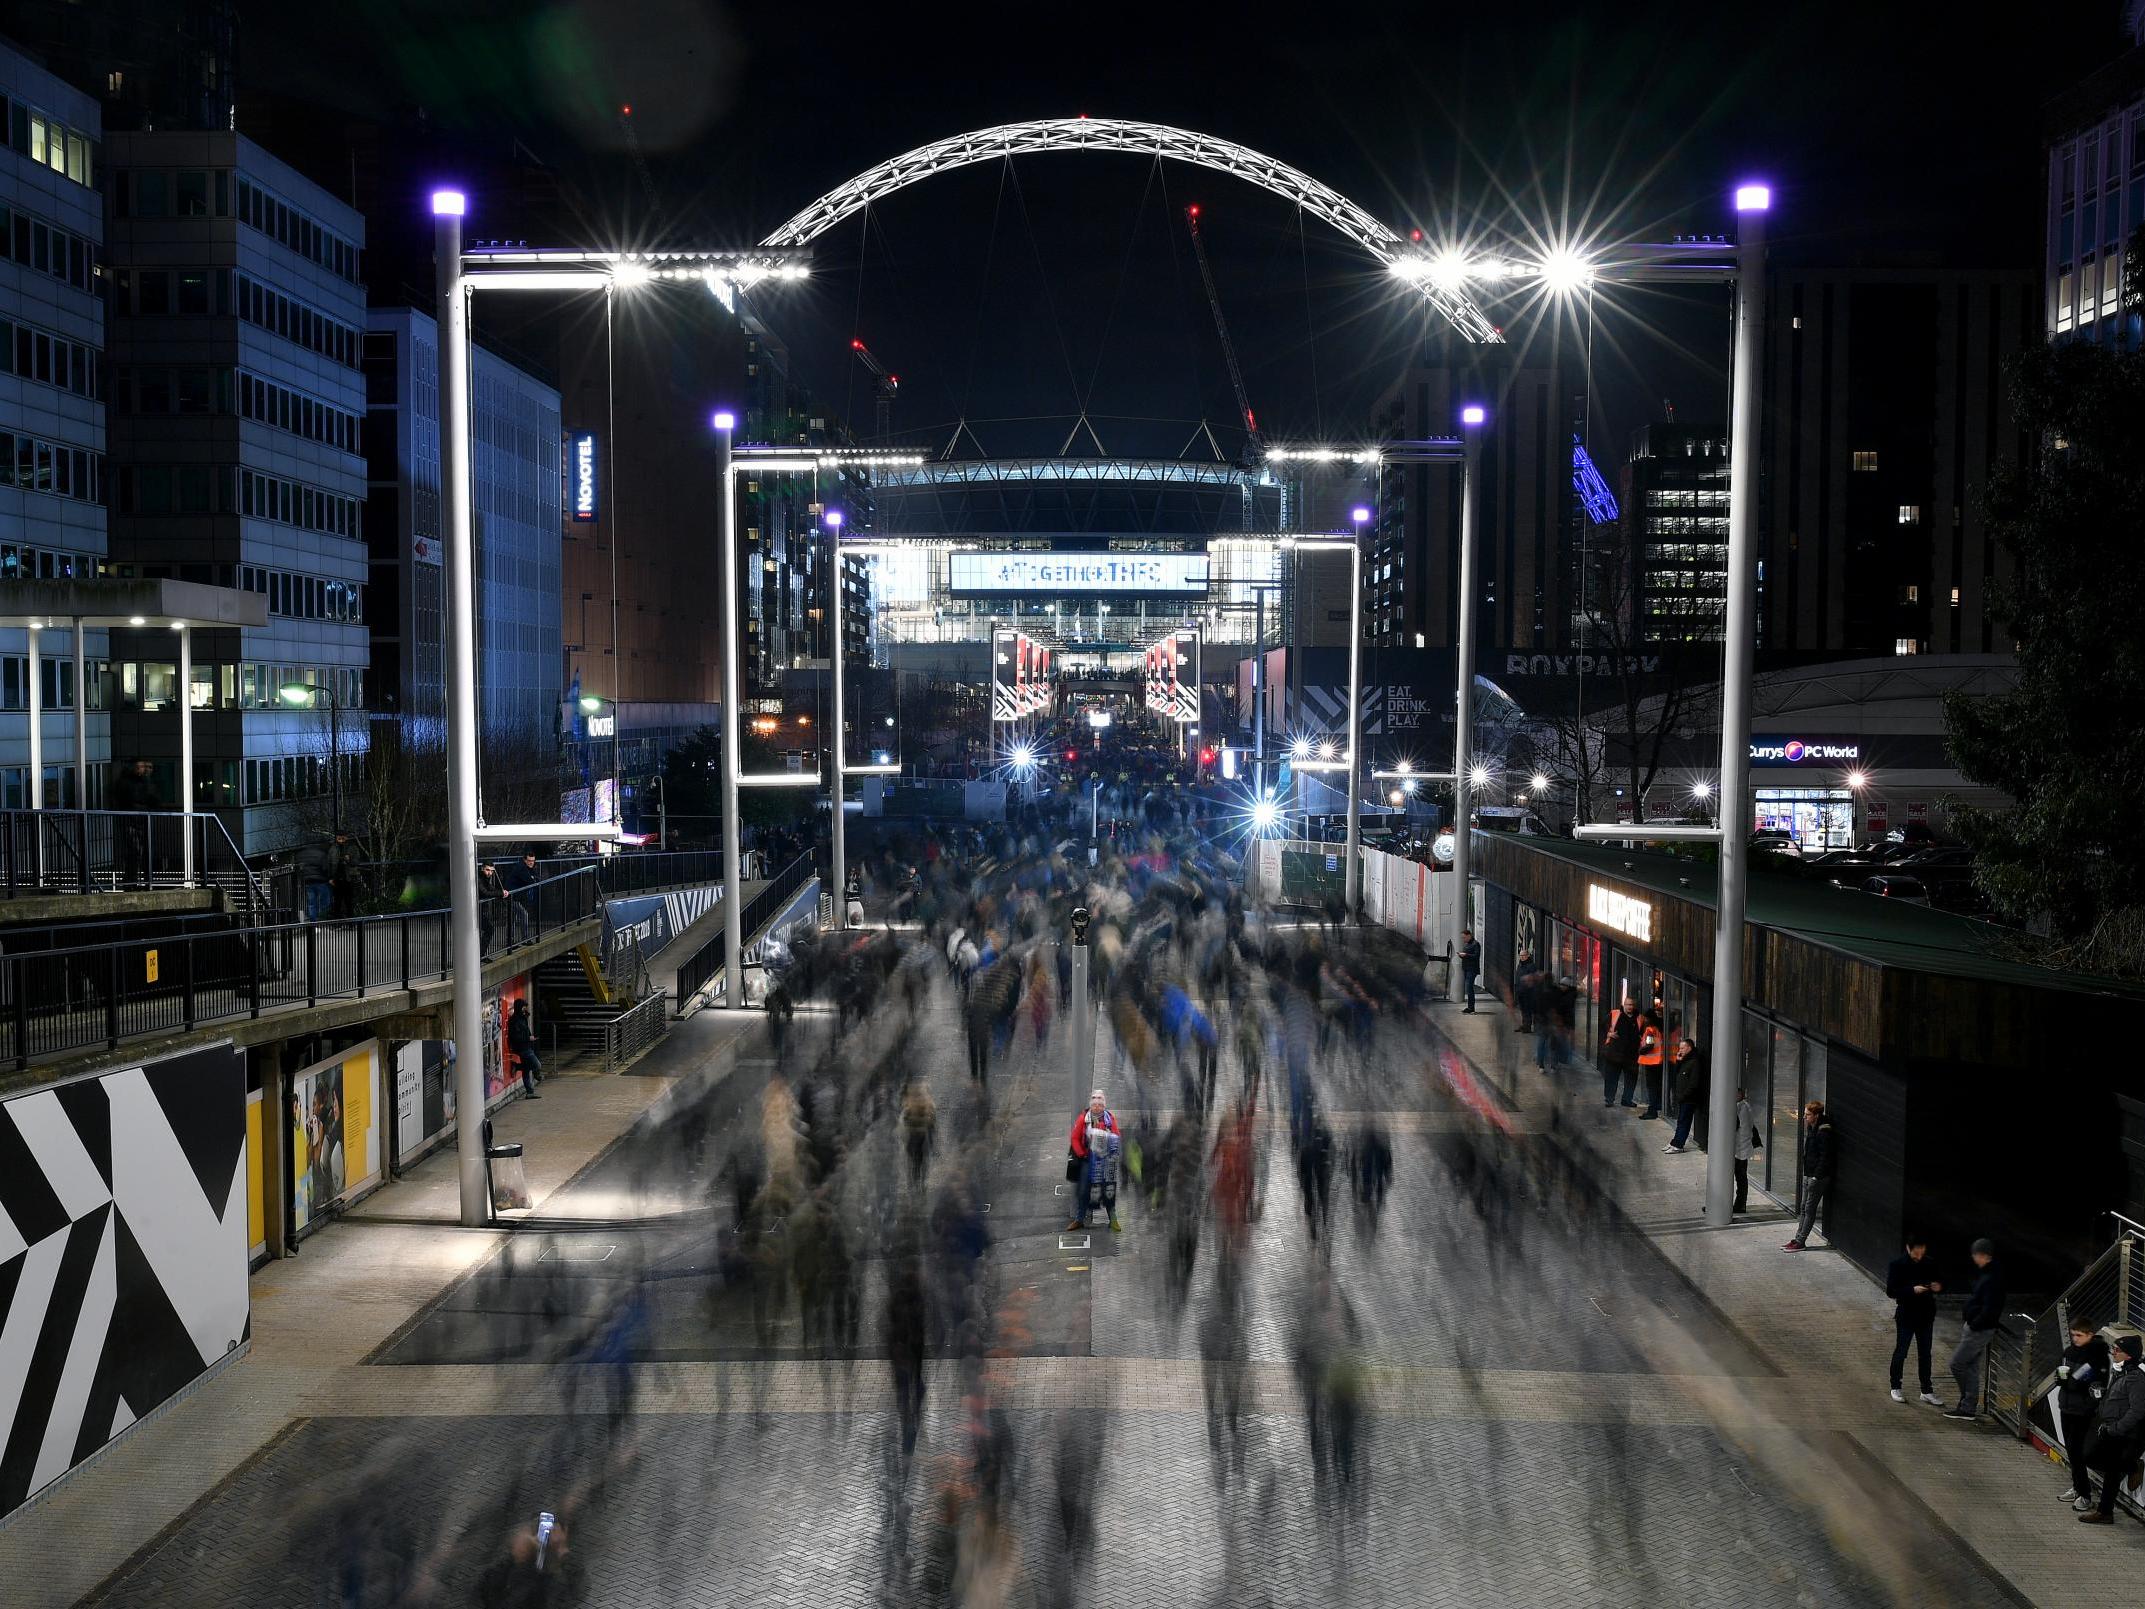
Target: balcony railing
{"type": "Point", "coordinates": [55, 1001]}
{"type": "Point", "coordinates": [107, 851]}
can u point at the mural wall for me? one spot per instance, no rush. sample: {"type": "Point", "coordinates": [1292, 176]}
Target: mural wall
{"type": "Point", "coordinates": [122, 1254]}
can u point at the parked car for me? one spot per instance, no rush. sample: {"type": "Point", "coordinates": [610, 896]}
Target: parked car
{"type": "Point", "coordinates": [1510, 818]}
{"type": "Point", "coordinates": [1776, 841]}
{"type": "Point", "coordinates": [1939, 855]}
{"type": "Point", "coordinates": [1907, 890]}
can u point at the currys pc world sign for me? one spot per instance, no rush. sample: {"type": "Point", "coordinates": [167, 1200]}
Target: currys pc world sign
{"type": "Point", "coordinates": [581, 475]}
{"type": "Point", "coordinates": [1805, 751]}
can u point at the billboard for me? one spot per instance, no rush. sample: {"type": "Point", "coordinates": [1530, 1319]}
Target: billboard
{"type": "Point", "coordinates": [1119, 574]}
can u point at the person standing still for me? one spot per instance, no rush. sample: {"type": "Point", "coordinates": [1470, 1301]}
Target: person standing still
{"type": "Point", "coordinates": [2082, 1379]}
{"type": "Point", "coordinates": [1820, 1164]}
{"type": "Point", "coordinates": [1984, 1306]}
{"type": "Point", "coordinates": [1687, 1069]}
{"type": "Point", "coordinates": [1470, 968]}
{"type": "Point", "coordinates": [521, 1041]}
{"type": "Point", "coordinates": [1653, 1051]}
{"type": "Point", "coordinates": [1095, 1146]}
{"type": "Point", "coordinates": [2118, 1433]}
{"type": "Point", "coordinates": [1747, 1142]}
{"type": "Point", "coordinates": [1907, 1282]}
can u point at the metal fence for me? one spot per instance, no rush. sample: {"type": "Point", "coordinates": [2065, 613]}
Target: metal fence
{"type": "Point", "coordinates": [700, 968]}
{"type": "Point", "coordinates": [2022, 1358]}
{"type": "Point", "coordinates": [631, 1032]}
{"type": "Point", "coordinates": [639, 871]}
{"type": "Point", "coordinates": [101, 851]}
{"type": "Point", "coordinates": [54, 1001]}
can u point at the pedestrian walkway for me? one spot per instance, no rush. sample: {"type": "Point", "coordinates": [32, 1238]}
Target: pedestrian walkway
{"type": "Point", "coordinates": [1827, 1327]}
{"type": "Point", "coordinates": [317, 1316]}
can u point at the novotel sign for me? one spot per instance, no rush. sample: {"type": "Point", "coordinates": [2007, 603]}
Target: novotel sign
{"type": "Point", "coordinates": [581, 474]}
{"type": "Point", "coordinates": [1177, 574]}
{"type": "Point", "coordinates": [1805, 751]}
{"type": "Point", "coordinates": [1622, 913]}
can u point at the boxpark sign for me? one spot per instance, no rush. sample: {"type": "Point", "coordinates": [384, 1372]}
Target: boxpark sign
{"type": "Point", "coordinates": [1792, 751]}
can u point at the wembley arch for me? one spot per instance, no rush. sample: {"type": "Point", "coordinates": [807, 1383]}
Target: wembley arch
{"type": "Point", "coordinates": [1140, 139]}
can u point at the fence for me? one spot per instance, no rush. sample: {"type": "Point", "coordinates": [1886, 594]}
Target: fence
{"type": "Point", "coordinates": [100, 851]}
{"type": "Point", "coordinates": [631, 872]}
{"type": "Point", "coordinates": [55, 1001]}
{"type": "Point", "coordinates": [628, 1034]}
{"type": "Point", "coordinates": [699, 969]}
{"type": "Point", "coordinates": [2022, 1358]}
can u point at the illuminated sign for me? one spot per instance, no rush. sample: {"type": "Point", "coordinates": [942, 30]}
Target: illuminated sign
{"type": "Point", "coordinates": [602, 726]}
{"type": "Point", "coordinates": [1623, 913]}
{"type": "Point", "coordinates": [1804, 751]}
{"type": "Point", "coordinates": [1179, 574]}
{"type": "Point", "coordinates": [581, 474]}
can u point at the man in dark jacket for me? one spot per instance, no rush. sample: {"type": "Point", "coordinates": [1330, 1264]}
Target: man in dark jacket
{"type": "Point", "coordinates": [521, 1042]}
{"type": "Point", "coordinates": [2083, 1374]}
{"type": "Point", "coordinates": [1470, 967]}
{"type": "Point", "coordinates": [1687, 1070]}
{"type": "Point", "coordinates": [1909, 1284]}
{"type": "Point", "coordinates": [1620, 1054]}
{"type": "Point", "coordinates": [2118, 1435]}
{"type": "Point", "coordinates": [1820, 1162]}
{"type": "Point", "coordinates": [1984, 1306]}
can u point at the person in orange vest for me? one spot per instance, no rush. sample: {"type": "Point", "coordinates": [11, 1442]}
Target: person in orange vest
{"type": "Point", "coordinates": [1653, 1045]}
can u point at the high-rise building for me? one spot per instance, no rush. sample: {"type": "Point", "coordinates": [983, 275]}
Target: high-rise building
{"type": "Point", "coordinates": [2095, 148]}
{"type": "Point", "coordinates": [1530, 520]}
{"type": "Point", "coordinates": [52, 430]}
{"type": "Point", "coordinates": [516, 472]}
{"type": "Point", "coordinates": [1885, 413]}
{"type": "Point", "coordinates": [237, 310]}
{"type": "Point", "coordinates": [1676, 537]}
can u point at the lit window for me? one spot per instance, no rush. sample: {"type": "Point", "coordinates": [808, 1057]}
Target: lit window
{"type": "Point", "coordinates": [1910, 593]}
{"type": "Point", "coordinates": [1955, 597]}
{"type": "Point", "coordinates": [1906, 645]}
{"type": "Point", "coordinates": [1796, 321]}
{"type": "Point", "coordinates": [1910, 513]}
{"type": "Point", "coordinates": [1865, 460]}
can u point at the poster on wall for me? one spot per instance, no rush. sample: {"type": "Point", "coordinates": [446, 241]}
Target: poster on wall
{"type": "Point", "coordinates": [497, 1008]}
{"type": "Point", "coordinates": [424, 1095]}
{"type": "Point", "coordinates": [122, 1254]}
{"type": "Point", "coordinates": [335, 1146]}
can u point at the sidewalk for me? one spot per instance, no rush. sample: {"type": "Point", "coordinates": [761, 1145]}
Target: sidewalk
{"type": "Point", "coordinates": [1827, 1326]}
{"type": "Point", "coordinates": [320, 1314]}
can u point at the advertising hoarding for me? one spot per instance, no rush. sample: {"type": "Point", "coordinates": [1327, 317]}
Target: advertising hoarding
{"type": "Point", "coordinates": [1179, 575]}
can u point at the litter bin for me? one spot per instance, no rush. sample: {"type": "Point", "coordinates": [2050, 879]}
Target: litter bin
{"type": "Point", "coordinates": [510, 1185]}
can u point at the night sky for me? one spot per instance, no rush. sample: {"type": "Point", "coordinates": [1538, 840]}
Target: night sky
{"type": "Point", "coordinates": [1885, 130]}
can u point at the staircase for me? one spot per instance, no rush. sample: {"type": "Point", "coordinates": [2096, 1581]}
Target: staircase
{"type": "Point", "coordinates": [586, 1009]}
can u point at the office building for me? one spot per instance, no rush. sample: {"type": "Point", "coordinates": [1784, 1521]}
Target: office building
{"type": "Point", "coordinates": [53, 468]}
{"type": "Point", "coordinates": [2095, 148]}
{"type": "Point", "coordinates": [1676, 538]}
{"type": "Point", "coordinates": [1886, 410]}
{"type": "Point", "coordinates": [237, 310]}
{"type": "Point", "coordinates": [516, 469]}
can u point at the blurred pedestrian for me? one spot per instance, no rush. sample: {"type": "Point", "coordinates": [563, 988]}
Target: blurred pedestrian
{"type": "Point", "coordinates": [1913, 1290]}
{"type": "Point", "coordinates": [919, 1128]}
{"type": "Point", "coordinates": [2082, 1381]}
{"type": "Point", "coordinates": [1984, 1307]}
{"type": "Point", "coordinates": [1653, 1051]}
{"type": "Point", "coordinates": [343, 878]}
{"type": "Point", "coordinates": [521, 1041]}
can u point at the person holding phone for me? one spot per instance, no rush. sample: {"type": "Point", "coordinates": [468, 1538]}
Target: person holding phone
{"type": "Point", "coordinates": [1909, 1282]}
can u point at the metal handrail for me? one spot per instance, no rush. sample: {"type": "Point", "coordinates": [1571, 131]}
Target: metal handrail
{"type": "Point", "coordinates": [699, 969]}
{"type": "Point", "coordinates": [54, 1001]}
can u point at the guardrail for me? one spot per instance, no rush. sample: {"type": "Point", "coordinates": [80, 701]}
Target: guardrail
{"type": "Point", "coordinates": [699, 969]}
{"type": "Point", "coordinates": [631, 1032]}
{"type": "Point", "coordinates": [636, 871]}
{"type": "Point", "coordinates": [103, 851]}
{"type": "Point", "coordinates": [55, 1001]}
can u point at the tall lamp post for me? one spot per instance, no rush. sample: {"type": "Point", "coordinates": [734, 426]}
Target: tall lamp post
{"type": "Point", "coordinates": [592, 706]}
{"type": "Point", "coordinates": [1472, 419]}
{"type": "Point", "coordinates": [307, 695]}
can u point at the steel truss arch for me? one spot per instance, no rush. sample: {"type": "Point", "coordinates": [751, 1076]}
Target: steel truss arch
{"type": "Point", "coordinates": [1136, 139]}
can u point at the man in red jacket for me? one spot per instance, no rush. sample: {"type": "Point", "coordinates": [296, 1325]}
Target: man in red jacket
{"type": "Point", "coordinates": [1095, 1144]}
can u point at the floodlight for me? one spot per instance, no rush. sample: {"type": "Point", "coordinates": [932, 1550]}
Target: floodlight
{"type": "Point", "coordinates": [1473, 414]}
{"type": "Point", "coordinates": [1753, 197]}
{"type": "Point", "coordinates": [449, 203]}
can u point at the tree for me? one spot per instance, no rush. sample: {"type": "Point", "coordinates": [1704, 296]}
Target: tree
{"type": "Point", "coordinates": [1643, 695]}
{"type": "Point", "coordinates": [2067, 745]}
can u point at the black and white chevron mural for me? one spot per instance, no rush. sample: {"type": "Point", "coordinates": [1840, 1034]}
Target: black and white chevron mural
{"type": "Point", "coordinates": [122, 1253]}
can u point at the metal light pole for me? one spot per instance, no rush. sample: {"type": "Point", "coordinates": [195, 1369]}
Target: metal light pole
{"type": "Point", "coordinates": [1472, 418]}
{"type": "Point", "coordinates": [840, 788]}
{"type": "Point", "coordinates": [733, 879]}
{"type": "Point", "coordinates": [447, 209]}
{"type": "Point", "coordinates": [1352, 872]}
{"type": "Point", "coordinates": [1751, 204]}
{"type": "Point", "coordinates": [1081, 1024]}
{"type": "Point", "coordinates": [309, 693]}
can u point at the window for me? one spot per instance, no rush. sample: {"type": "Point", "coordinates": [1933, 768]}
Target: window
{"type": "Point", "coordinates": [1906, 645]}
{"type": "Point", "coordinates": [1910, 513]}
{"type": "Point", "coordinates": [1865, 461]}
{"type": "Point", "coordinates": [1910, 593]}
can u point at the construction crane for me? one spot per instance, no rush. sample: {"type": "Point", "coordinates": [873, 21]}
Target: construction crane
{"type": "Point", "coordinates": [1221, 328]}
{"type": "Point", "coordinates": [886, 385]}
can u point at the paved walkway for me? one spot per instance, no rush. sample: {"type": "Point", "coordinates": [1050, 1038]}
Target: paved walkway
{"type": "Point", "coordinates": [1827, 1327]}
{"type": "Point", "coordinates": [316, 1318]}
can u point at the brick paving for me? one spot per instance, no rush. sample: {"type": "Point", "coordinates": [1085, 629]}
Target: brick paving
{"type": "Point", "coordinates": [1556, 1415]}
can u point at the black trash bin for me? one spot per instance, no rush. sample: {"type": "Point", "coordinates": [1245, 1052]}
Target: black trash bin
{"type": "Point", "coordinates": [509, 1184]}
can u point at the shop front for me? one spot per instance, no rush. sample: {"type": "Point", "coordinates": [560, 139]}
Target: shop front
{"type": "Point", "coordinates": [1917, 1029]}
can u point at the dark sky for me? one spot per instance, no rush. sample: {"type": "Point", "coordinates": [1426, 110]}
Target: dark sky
{"type": "Point", "coordinates": [1883, 128]}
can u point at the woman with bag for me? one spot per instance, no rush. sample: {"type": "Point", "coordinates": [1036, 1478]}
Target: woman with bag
{"type": "Point", "coordinates": [1091, 1162]}
{"type": "Point", "coordinates": [1747, 1141]}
